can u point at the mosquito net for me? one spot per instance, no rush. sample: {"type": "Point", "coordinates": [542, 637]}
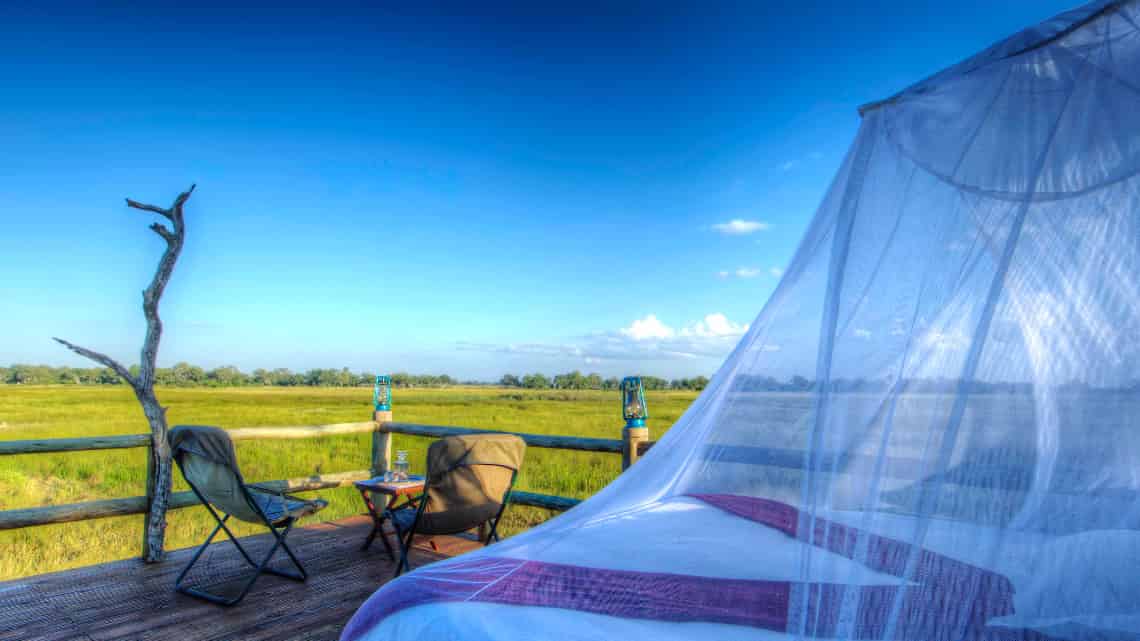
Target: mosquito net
{"type": "Point", "coordinates": [932, 429]}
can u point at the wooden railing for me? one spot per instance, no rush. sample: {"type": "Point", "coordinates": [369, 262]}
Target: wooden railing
{"type": "Point", "coordinates": [631, 446]}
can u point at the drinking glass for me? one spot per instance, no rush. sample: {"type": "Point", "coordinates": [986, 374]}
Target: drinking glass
{"type": "Point", "coordinates": [401, 466]}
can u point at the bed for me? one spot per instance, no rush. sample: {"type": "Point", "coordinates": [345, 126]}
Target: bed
{"type": "Point", "coordinates": [728, 567]}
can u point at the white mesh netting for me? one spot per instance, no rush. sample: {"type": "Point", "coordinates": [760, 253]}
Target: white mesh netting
{"type": "Point", "coordinates": [960, 457]}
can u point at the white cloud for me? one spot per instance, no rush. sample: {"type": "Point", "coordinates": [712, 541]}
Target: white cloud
{"type": "Point", "coordinates": [788, 165]}
{"type": "Point", "coordinates": [538, 349]}
{"type": "Point", "coordinates": [740, 227]}
{"type": "Point", "coordinates": [863, 333]}
{"type": "Point", "coordinates": [714, 325]}
{"type": "Point", "coordinates": [646, 338]}
{"type": "Point", "coordinates": [647, 328]}
{"type": "Point", "coordinates": [748, 272]}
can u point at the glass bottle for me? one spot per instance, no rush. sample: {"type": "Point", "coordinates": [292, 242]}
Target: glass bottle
{"type": "Point", "coordinates": [401, 467]}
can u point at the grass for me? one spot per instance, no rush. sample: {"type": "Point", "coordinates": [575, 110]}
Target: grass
{"type": "Point", "coordinates": [55, 412]}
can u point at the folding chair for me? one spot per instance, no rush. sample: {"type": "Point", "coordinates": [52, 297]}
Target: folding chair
{"type": "Point", "coordinates": [468, 485]}
{"type": "Point", "coordinates": [205, 455]}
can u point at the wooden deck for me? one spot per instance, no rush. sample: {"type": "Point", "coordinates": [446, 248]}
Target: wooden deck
{"type": "Point", "coordinates": [134, 601]}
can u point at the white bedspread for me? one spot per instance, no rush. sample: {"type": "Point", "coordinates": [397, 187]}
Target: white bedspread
{"type": "Point", "coordinates": [687, 536]}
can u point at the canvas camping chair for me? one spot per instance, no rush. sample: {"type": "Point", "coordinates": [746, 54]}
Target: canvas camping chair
{"type": "Point", "coordinates": [469, 480]}
{"type": "Point", "coordinates": [205, 455]}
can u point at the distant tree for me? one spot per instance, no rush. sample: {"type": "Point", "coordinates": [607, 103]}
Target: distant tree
{"type": "Point", "coordinates": [108, 376]}
{"type": "Point", "coordinates": [800, 384]}
{"type": "Point", "coordinates": [185, 374]}
{"type": "Point", "coordinates": [536, 381]}
{"type": "Point", "coordinates": [20, 375]}
{"type": "Point", "coordinates": [226, 376]}
{"type": "Point", "coordinates": [510, 380]}
{"type": "Point", "coordinates": [283, 376]}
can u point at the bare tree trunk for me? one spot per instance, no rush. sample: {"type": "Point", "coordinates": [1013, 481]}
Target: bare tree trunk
{"type": "Point", "coordinates": [160, 475]}
{"type": "Point", "coordinates": [159, 465]}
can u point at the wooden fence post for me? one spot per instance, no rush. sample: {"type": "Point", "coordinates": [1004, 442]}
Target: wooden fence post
{"type": "Point", "coordinates": [631, 440]}
{"type": "Point", "coordinates": [381, 443]}
{"type": "Point", "coordinates": [159, 478]}
{"type": "Point", "coordinates": [146, 549]}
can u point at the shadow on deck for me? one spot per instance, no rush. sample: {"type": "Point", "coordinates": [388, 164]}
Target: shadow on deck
{"type": "Point", "coordinates": [132, 600]}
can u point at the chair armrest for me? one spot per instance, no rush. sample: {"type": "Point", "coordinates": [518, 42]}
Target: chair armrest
{"type": "Point", "coordinates": [257, 487]}
{"type": "Point", "coordinates": [261, 489]}
{"type": "Point", "coordinates": [278, 493]}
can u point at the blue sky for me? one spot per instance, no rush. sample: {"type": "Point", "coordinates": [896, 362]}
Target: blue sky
{"type": "Point", "coordinates": [456, 191]}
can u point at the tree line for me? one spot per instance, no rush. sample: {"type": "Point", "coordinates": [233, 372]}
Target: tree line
{"type": "Point", "coordinates": [578, 381]}
{"type": "Point", "coordinates": [187, 375]}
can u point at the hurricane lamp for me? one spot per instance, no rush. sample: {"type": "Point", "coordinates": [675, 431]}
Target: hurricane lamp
{"type": "Point", "coordinates": [633, 408]}
{"type": "Point", "coordinates": [382, 393]}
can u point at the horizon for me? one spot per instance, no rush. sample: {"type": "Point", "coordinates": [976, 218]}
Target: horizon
{"type": "Point", "coordinates": [524, 190]}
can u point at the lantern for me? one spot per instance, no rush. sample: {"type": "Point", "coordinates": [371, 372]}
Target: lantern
{"type": "Point", "coordinates": [382, 393]}
{"type": "Point", "coordinates": [633, 408]}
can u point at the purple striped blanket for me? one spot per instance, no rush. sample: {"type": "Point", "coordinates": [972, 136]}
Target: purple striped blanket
{"type": "Point", "coordinates": [945, 599]}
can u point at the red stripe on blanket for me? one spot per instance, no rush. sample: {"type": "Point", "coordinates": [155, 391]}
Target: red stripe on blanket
{"type": "Point", "coordinates": [993, 592]}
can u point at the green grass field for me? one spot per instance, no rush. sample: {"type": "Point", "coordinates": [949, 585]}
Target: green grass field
{"type": "Point", "coordinates": [51, 412]}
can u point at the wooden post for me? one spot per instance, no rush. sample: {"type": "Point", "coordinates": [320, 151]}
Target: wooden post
{"type": "Point", "coordinates": [150, 469]}
{"type": "Point", "coordinates": [631, 440]}
{"type": "Point", "coordinates": [381, 443]}
{"type": "Point", "coordinates": [159, 479]}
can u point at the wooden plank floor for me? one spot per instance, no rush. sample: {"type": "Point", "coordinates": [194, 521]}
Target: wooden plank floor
{"type": "Point", "coordinates": [130, 600]}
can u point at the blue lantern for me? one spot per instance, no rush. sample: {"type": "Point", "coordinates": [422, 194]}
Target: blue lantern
{"type": "Point", "coordinates": [633, 407]}
{"type": "Point", "coordinates": [382, 393]}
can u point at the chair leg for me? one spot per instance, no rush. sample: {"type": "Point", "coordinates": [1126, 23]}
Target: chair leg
{"type": "Point", "coordinates": [301, 575]}
{"type": "Point", "coordinates": [371, 537]}
{"type": "Point", "coordinates": [198, 553]}
{"type": "Point", "coordinates": [387, 543]}
{"type": "Point", "coordinates": [493, 534]}
{"type": "Point", "coordinates": [405, 548]}
{"type": "Point", "coordinates": [259, 568]}
{"type": "Point", "coordinates": [292, 557]}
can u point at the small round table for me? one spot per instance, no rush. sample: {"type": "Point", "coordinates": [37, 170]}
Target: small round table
{"type": "Point", "coordinates": [391, 490]}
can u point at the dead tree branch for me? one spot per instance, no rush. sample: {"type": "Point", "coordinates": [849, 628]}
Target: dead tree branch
{"type": "Point", "coordinates": [102, 359]}
{"type": "Point", "coordinates": [153, 292]}
{"type": "Point", "coordinates": [159, 475]}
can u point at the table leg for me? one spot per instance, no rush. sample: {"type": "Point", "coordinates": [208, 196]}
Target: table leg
{"type": "Point", "coordinates": [377, 520]}
{"type": "Point", "coordinates": [384, 537]}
